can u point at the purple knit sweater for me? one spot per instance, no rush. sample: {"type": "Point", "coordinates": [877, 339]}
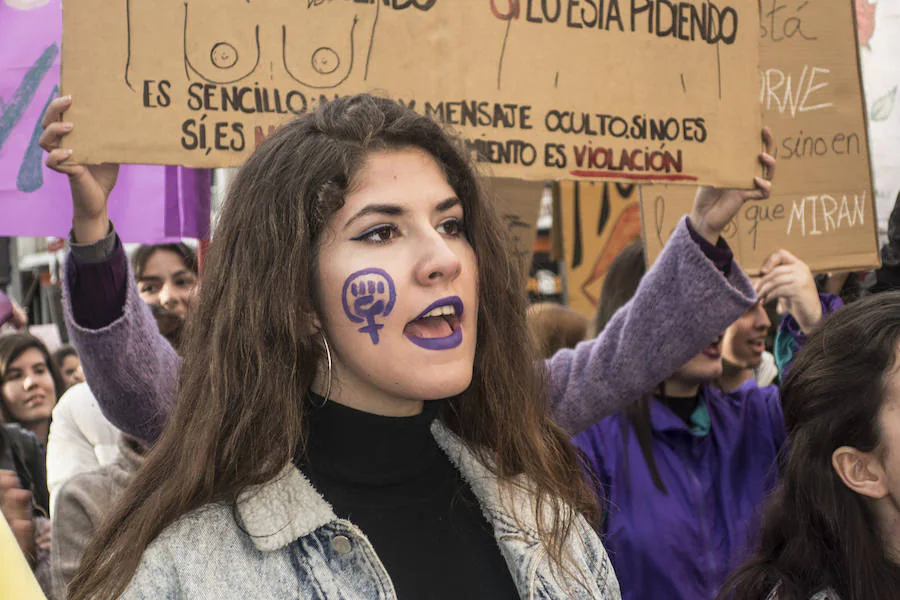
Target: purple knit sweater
{"type": "Point", "coordinates": [682, 303]}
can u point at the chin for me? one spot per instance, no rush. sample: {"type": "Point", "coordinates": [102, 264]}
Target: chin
{"type": "Point", "coordinates": [754, 362]}
{"type": "Point", "coordinates": [446, 386]}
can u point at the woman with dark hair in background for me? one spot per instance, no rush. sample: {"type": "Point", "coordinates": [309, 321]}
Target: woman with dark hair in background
{"type": "Point", "coordinates": [69, 365]}
{"type": "Point", "coordinates": [681, 473]}
{"type": "Point", "coordinates": [830, 530]}
{"type": "Point", "coordinates": [166, 275]}
{"type": "Point", "coordinates": [30, 383]}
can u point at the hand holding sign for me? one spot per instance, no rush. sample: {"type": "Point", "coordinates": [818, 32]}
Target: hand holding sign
{"type": "Point", "coordinates": [786, 276]}
{"type": "Point", "coordinates": [368, 294]}
{"type": "Point", "coordinates": [714, 208]}
{"type": "Point", "coordinates": [91, 185]}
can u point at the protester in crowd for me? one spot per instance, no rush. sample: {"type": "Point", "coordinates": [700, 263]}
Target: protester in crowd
{"type": "Point", "coordinates": [166, 275]}
{"type": "Point", "coordinates": [81, 438]}
{"type": "Point", "coordinates": [744, 342]}
{"type": "Point", "coordinates": [829, 531]}
{"type": "Point", "coordinates": [744, 347]}
{"type": "Point", "coordinates": [364, 182]}
{"type": "Point", "coordinates": [23, 498]}
{"type": "Point", "coordinates": [21, 453]}
{"type": "Point", "coordinates": [69, 365]}
{"type": "Point", "coordinates": [82, 503]}
{"type": "Point", "coordinates": [681, 473]}
{"type": "Point", "coordinates": [555, 327]}
{"type": "Point", "coordinates": [29, 383]}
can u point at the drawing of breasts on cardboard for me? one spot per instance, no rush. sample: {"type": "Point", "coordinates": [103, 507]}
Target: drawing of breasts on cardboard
{"type": "Point", "coordinates": [220, 46]}
{"type": "Point", "coordinates": [323, 57]}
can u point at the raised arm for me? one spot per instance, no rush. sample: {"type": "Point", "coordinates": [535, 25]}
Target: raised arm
{"type": "Point", "coordinates": [683, 302]}
{"type": "Point", "coordinates": [129, 366]}
{"type": "Point", "coordinates": [787, 277]}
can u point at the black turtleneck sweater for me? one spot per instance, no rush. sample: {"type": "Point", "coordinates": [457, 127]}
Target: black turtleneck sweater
{"type": "Point", "coordinates": [390, 478]}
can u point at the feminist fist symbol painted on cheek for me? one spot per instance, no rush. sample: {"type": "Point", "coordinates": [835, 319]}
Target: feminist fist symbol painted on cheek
{"type": "Point", "coordinates": [368, 294]}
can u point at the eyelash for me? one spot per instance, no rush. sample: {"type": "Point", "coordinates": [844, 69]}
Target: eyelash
{"type": "Point", "coordinates": [368, 236]}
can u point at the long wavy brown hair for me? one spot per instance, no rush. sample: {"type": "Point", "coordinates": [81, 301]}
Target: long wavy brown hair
{"type": "Point", "coordinates": [250, 358]}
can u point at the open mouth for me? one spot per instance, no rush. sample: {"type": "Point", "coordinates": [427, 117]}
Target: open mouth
{"type": "Point", "coordinates": [758, 345]}
{"type": "Point", "coordinates": [438, 327]}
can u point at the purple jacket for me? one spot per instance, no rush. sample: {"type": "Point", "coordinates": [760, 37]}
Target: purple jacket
{"type": "Point", "coordinates": [717, 472]}
{"type": "Point", "coordinates": [682, 303]}
{"type": "Point", "coordinates": [682, 545]}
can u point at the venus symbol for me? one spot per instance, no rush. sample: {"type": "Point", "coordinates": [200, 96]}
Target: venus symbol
{"type": "Point", "coordinates": [367, 295]}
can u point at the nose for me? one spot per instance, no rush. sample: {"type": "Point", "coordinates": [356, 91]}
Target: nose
{"type": "Point", "coordinates": [30, 382]}
{"type": "Point", "coordinates": [78, 376]}
{"type": "Point", "coordinates": [761, 317]}
{"type": "Point", "coordinates": [437, 261]}
{"type": "Point", "coordinates": [167, 297]}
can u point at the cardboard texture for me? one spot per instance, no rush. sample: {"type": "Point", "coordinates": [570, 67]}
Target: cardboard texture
{"type": "Point", "coordinates": [597, 221]}
{"type": "Point", "coordinates": [822, 207]}
{"type": "Point", "coordinates": [519, 204]}
{"type": "Point", "coordinates": [631, 90]}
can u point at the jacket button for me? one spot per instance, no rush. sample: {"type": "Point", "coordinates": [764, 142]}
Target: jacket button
{"type": "Point", "coordinates": [341, 544]}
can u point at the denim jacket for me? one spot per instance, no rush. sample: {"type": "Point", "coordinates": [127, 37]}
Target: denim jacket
{"type": "Point", "coordinates": [290, 544]}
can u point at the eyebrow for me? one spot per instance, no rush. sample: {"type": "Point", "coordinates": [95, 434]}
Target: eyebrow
{"type": "Point", "coordinates": [20, 370]}
{"type": "Point", "coordinates": [155, 278]}
{"type": "Point", "coordinates": [395, 210]}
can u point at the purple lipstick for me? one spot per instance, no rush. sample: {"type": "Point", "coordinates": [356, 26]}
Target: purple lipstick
{"type": "Point", "coordinates": [438, 326]}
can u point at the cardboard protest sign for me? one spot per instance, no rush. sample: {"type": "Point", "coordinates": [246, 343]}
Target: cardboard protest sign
{"type": "Point", "coordinates": [630, 90]}
{"type": "Point", "coordinates": [519, 204]}
{"type": "Point", "coordinates": [150, 204]}
{"type": "Point", "coordinates": [822, 207]}
{"type": "Point", "coordinates": [597, 221]}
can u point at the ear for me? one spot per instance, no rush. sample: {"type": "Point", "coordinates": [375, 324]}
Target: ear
{"type": "Point", "coordinates": [314, 324]}
{"type": "Point", "coordinates": [860, 471]}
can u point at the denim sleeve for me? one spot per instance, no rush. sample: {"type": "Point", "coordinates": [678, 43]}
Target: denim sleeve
{"type": "Point", "coordinates": [156, 577]}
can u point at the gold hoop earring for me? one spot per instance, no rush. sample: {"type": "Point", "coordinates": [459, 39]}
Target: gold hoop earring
{"type": "Point", "coordinates": [328, 387]}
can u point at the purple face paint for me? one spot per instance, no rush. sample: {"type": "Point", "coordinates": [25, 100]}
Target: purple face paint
{"type": "Point", "coordinates": [447, 342]}
{"type": "Point", "coordinates": [368, 294]}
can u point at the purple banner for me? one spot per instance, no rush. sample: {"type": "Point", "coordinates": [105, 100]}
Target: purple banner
{"type": "Point", "coordinates": [149, 203]}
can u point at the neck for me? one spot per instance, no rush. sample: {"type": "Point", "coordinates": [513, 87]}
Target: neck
{"type": "Point", "coordinates": [734, 376]}
{"type": "Point", "coordinates": [679, 388]}
{"type": "Point", "coordinates": [888, 515]}
{"type": "Point", "coordinates": [385, 407]}
{"type": "Point", "coordinates": [41, 429]}
{"type": "Point", "coordinates": [367, 400]}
